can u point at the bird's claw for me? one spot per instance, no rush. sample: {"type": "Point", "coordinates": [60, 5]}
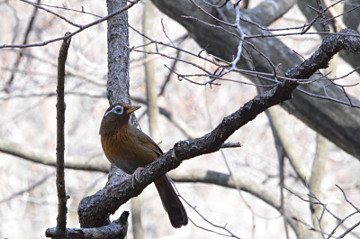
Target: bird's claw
{"type": "Point", "coordinates": [132, 178]}
{"type": "Point", "coordinates": [135, 176]}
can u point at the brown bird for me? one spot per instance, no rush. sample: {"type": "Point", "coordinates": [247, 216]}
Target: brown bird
{"type": "Point", "coordinates": [128, 148]}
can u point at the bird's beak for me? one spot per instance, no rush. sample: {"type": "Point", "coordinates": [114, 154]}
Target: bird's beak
{"type": "Point", "coordinates": [132, 109]}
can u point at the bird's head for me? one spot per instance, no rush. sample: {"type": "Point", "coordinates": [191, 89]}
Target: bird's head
{"type": "Point", "coordinates": [116, 116]}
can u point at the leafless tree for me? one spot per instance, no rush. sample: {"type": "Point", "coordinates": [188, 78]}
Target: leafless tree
{"type": "Point", "coordinates": [249, 56]}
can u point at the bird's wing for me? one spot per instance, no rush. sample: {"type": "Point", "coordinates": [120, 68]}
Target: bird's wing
{"type": "Point", "coordinates": [153, 146]}
{"type": "Point", "coordinates": [148, 142]}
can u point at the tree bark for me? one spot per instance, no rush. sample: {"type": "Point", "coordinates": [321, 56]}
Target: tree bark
{"type": "Point", "coordinates": [118, 54]}
{"type": "Point", "coordinates": [90, 213]}
{"type": "Point", "coordinates": [339, 123]}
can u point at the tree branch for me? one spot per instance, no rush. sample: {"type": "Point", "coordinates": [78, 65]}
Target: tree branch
{"type": "Point", "coordinates": [60, 144]}
{"type": "Point", "coordinates": [347, 39]}
{"type": "Point", "coordinates": [45, 158]}
{"type": "Point", "coordinates": [82, 27]}
{"type": "Point", "coordinates": [20, 55]}
{"type": "Point", "coordinates": [117, 229]}
{"type": "Point", "coordinates": [33, 186]}
{"type": "Point", "coordinates": [287, 144]}
{"type": "Point", "coordinates": [339, 123]}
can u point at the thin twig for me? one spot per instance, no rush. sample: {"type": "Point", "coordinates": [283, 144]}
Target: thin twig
{"type": "Point", "coordinates": [349, 230]}
{"type": "Point", "coordinates": [37, 5]}
{"type": "Point", "coordinates": [83, 27]}
{"type": "Point", "coordinates": [346, 199]}
{"type": "Point", "coordinates": [168, 77]}
{"type": "Point", "coordinates": [20, 55]}
{"type": "Point", "coordinates": [229, 233]}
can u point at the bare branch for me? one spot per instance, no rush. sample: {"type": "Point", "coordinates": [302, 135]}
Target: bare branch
{"type": "Point", "coordinates": [332, 44]}
{"type": "Point", "coordinates": [227, 233]}
{"type": "Point", "coordinates": [76, 163]}
{"type": "Point", "coordinates": [212, 39]}
{"type": "Point", "coordinates": [20, 55]}
{"type": "Point", "coordinates": [83, 27]}
{"type": "Point", "coordinates": [37, 5]}
{"type": "Point", "coordinates": [33, 186]}
{"type": "Point", "coordinates": [350, 229]}
{"type": "Point", "coordinates": [60, 139]}
{"type": "Point", "coordinates": [116, 229]}
{"type": "Point", "coordinates": [346, 199]}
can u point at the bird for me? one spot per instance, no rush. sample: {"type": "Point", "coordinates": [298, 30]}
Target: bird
{"type": "Point", "coordinates": [129, 149]}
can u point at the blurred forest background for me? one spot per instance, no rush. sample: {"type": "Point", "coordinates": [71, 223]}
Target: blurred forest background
{"type": "Point", "coordinates": [28, 202]}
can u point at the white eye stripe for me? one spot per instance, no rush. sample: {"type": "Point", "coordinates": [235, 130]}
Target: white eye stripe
{"type": "Point", "coordinates": [119, 110]}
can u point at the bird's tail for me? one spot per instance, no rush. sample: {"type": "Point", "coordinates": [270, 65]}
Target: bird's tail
{"type": "Point", "coordinates": [171, 202]}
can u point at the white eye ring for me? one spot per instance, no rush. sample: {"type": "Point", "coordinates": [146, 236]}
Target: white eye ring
{"type": "Point", "coordinates": [119, 110]}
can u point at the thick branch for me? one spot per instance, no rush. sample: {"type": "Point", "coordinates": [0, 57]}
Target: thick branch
{"type": "Point", "coordinates": [267, 12]}
{"type": "Point", "coordinates": [116, 229]}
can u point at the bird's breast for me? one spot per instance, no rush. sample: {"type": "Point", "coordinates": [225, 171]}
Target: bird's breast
{"type": "Point", "coordinates": [126, 152]}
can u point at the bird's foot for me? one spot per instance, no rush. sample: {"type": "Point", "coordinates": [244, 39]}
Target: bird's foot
{"type": "Point", "coordinates": [135, 176]}
{"type": "Point", "coordinates": [132, 178]}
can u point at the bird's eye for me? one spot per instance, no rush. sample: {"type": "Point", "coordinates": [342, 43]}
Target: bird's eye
{"type": "Point", "coordinates": [119, 109]}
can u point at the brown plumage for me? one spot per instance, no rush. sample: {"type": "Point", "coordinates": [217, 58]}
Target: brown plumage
{"type": "Point", "coordinates": [128, 148]}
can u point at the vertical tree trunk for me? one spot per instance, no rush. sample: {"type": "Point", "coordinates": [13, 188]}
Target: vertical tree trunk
{"type": "Point", "coordinates": [118, 54]}
{"type": "Point", "coordinates": [94, 210]}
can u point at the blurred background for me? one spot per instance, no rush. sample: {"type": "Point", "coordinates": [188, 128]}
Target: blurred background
{"type": "Point", "coordinates": [28, 201]}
